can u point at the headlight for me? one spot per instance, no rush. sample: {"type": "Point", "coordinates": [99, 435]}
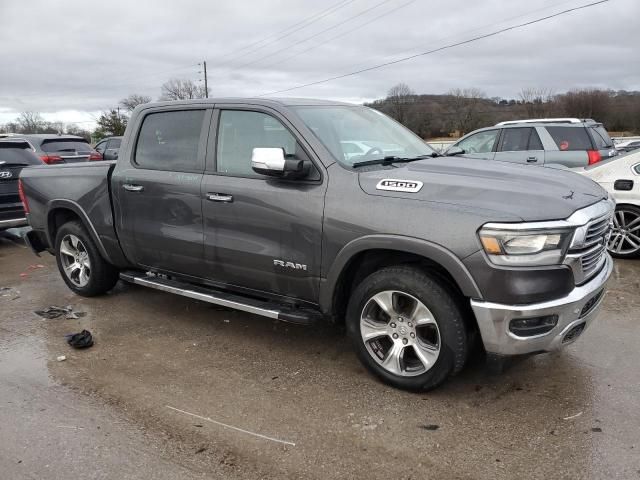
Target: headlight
{"type": "Point", "coordinates": [522, 247]}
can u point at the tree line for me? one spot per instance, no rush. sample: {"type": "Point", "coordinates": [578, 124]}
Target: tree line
{"type": "Point", "coordinates": [462, 110]}
{"type": "Point", "coordinates": [110, 122]}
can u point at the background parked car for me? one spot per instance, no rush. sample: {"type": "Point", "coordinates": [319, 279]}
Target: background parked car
{"type": "Point", "coordinates": [562, 141]}
{"type": "Point", "coordinates": [621, 178]}
{"type": "Point", "coordinates": [628, 146]}
{"type": "Point", "coordinates": [53, 148]}
{"type": "Point", "coordinates": [15, 154]}
{"type": "Point", "coordinates": [109, 147]}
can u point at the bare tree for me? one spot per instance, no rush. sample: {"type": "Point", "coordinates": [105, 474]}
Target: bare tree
{"type": "Point", "coordinates": [538, 102]}
{"type": "Point", "coordinates": [587, 103]}
{"type": "Point", "coordinates": [30, 122]}
{"type": "Point", "coordinates": [399, 99]}
{"type": "Point", "coordinates": [132, 101]}
{"type": "Point", "coordinates": [176, 89]}
{"type": "Point", "coordinates": [464, 107]}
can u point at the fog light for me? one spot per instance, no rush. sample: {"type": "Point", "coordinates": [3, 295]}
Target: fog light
{"type": "Point", "coordinates": [529, 327]}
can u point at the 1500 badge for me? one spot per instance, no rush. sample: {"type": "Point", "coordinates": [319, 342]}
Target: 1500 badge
{"type": "Point", "coordinates": [395, 185]}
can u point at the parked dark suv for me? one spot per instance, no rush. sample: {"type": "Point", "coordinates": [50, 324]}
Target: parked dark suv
{"type": "Point", "coordinates": [15, 154]}
{"type": "Point", "coordinates": [570, 142]}
{"type": "Point", "coordinates": [53, 148]}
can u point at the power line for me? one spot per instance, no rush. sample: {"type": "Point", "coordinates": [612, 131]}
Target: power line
{"type": "Point", "coordinates": [326, 13]}
{"type": "Point", "coordinates": [324, 42]}
{"type": "Point", "coordinates": [339, 24]}
{"type": "Point", "coordinates": [302, 22]}
{"type": "Point", "coordinates": [439, 49]}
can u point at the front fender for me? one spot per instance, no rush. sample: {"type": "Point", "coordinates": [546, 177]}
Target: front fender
{"type": "Point", "coordinates": [431, 251]}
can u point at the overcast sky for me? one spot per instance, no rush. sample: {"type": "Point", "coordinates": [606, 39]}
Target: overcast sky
{"type": "Point", "coordinates": [72, 59]}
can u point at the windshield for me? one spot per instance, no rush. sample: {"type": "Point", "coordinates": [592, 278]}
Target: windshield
{"type": "Point", "coordinates": [356, 134]}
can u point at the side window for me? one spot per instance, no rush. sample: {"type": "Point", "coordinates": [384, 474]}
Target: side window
{"type": "Point", "coordinates": [239, 132]}
{"type": "Point", "coordinates": [570, 138]}
{"type": "Point", "coordinates": [169, 141]}
{"type": "Point", "coordinates": [515, 139]}
{"type": "Point", "coordinates": [481, 142]}
{"type": "Point", "coordinates": [534, 141]}
{"type": "Point", "coordinates": [101, 146]}
{"type": "Point", "coordinates": [115, 143]}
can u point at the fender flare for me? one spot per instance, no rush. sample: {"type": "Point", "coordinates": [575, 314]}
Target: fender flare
{"type": "Point", "coordinates": [431, 251]}
{"type": "Point", "coordinates": [65, 204]}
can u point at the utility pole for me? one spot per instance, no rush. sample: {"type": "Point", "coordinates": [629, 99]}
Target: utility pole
{"type": "Point", "coordinates": [206, 85]}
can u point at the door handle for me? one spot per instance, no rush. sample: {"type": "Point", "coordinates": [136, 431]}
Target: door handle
{"type": "Point", "coordinates": [132, 188]}
{"type": "Point", "coordinates": [220, 197]}
{"type": "Point", "coordinates": [532, 159]}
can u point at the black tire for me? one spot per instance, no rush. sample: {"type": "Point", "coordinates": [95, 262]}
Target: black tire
{"type": "Point", "coordinates": [453, 341]}
{"type": "Point", "coordinates": [630, 213]}
{"type": "Point", "coordinates": [102, 276]}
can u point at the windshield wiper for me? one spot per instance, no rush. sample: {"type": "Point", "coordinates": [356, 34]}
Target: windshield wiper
{"type": "Point", "coordinates": [392, 159]}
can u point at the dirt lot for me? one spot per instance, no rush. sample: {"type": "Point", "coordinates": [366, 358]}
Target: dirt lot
{"type": "Point", "coordinates": [175, 388]}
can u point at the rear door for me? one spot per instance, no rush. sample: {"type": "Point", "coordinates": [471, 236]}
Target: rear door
{"type": "Point", "coordinates": [520, 145]}
{"type": "Point", "coordinates": [159, 214]}
{"type": "Point", "coordinates": [261, 233]}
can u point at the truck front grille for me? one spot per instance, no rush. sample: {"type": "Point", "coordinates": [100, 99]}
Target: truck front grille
{"type": "Point", "coordinates": [590, 256]}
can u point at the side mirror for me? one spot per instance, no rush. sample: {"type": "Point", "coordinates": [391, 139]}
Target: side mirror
{"type": "Point", "coordinates": [273, 163]}
{"type": "Point", "coordinates": [110, 154]}
{"type": "Point", "coordinates": [453, 151]}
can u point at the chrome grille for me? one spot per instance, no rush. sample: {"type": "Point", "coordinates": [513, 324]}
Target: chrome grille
{"type": "Point", "coordinates": [588, 257]}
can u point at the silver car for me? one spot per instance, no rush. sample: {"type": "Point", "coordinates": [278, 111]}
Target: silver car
{"type": "Point", "coordinates": [570, 142]}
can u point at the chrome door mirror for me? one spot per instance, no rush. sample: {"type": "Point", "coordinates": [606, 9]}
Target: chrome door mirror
{"type": "Point", "coordinates": [272, 162]}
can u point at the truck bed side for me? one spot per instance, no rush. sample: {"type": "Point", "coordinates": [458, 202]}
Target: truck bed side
{"type": "Point", "coordinates": [59, 193]}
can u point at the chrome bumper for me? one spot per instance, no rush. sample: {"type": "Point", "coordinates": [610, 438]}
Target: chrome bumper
{"type": "Point", "coordinates": [14, 222]}
{"type": "Point", "coordinates": [493, 318]}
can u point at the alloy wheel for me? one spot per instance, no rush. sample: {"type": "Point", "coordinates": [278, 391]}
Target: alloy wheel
{"type": "Point", "coordinates": [625, 238]}
{"type": "Point", "coordinates": [400, 333]}
{"type": "Point", "coordinates": [75, 260]}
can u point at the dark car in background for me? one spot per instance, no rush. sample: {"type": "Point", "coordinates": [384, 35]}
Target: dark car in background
{"type": "Point", "coordinates": [108, 147]}
{"type": "Point", "coordinates": [53, 148]}
{"type": "Point", "coordinates": [15, 154]}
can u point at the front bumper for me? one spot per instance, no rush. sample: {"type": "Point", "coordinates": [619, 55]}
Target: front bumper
{"type": "Point", "coordinates": [576, 311]}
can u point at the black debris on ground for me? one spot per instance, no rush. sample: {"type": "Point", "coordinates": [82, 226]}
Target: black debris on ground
{"type": "Point", "coordinates": [83, 339]}
{"type": "Point", "coordinates": [430, 427]}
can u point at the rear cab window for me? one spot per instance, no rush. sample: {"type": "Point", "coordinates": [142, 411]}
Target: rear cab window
{"type": "Point", "coordinates": [65, 145]}
{"type": "Point", "coordinates": [570, 138]}
{"type": "Point", "coordinates": [170, 141]}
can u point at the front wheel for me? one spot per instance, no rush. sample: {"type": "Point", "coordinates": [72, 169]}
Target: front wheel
{"type": "Point", "coordinates": [82, 267]}
{"type": "Point", "coordinates": [625, 238]}
{"type": "Point", "coordinates": [406, 328]}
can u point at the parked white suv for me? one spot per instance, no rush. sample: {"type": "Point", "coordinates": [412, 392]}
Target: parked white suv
{"type": "Point", "coordinates": [571, 142]}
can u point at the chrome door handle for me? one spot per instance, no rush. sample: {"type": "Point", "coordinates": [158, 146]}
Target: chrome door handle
{"type": "Point", "coordinates": [219, 197]}
{"type": "Point", "coordinates": [132, 188]}
{"type": "Point", "coordinates": [532, 159]}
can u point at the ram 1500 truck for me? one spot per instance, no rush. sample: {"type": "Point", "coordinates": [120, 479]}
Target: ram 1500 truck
{"type": "Point", "coordinates": [299, 210]}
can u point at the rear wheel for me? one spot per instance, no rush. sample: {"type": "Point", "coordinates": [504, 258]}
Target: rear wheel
{"type": "Point", "coordinates": [82, 267]}
{"type": "Point", "coordinates": [625, 238]}
{"type": "Point", "coordinates": [406, 328]}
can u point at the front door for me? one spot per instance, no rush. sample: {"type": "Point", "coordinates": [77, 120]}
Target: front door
{"type": "Point", "coordinates": [261, 233]}
{"type": "Point", "coordinates": [480, 145]}
{"type": "Point", "coordinates": [159, 208]}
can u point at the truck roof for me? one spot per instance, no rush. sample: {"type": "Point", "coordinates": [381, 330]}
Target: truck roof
{"type": "Point", "coordinates": [254, 101]}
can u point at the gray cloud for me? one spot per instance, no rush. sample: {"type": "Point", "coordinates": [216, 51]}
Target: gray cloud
{"type": "Point", "coordinates": [81, 57]}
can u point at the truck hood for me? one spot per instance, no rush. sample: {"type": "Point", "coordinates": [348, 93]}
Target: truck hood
{"type": "Point", "coordinates": [530, 193]}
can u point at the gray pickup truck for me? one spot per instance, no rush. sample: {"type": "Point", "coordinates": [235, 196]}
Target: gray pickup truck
{"type": "Point", "coordinates": [300, 210]}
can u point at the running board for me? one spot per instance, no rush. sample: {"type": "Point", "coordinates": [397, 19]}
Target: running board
{"type": "Point", "coordinates": [224, 299]}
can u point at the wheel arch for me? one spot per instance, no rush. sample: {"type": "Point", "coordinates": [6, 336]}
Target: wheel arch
{"type": "Point", "coordinates": [368, 254]}
{"type": "Point", "coordinates": [62, 211]}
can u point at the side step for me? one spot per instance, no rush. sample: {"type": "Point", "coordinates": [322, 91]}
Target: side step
{"type": "Point", "coordinates": [224, 299]}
